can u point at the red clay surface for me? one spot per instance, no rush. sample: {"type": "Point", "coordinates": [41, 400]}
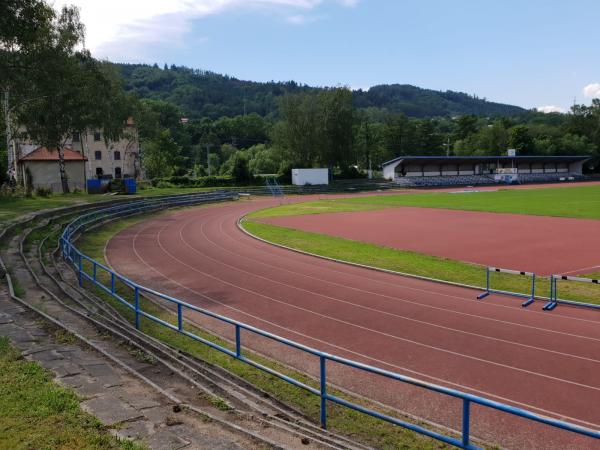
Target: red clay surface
{"type": "Point", "coordinates": [546, 362]}
{"type": "Point", "coordinates": [544, 245]}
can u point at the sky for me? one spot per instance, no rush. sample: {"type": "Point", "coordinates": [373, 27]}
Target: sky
{"type": "Point", "coordinates": [533, 53]}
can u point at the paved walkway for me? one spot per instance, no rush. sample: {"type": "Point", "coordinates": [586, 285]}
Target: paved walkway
{"type": "Point", "coordinates": [117, 399]}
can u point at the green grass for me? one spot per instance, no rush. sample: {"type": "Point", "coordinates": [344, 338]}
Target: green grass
{"type": "Point", "coordinates": [412, 262]}
{"type": "Point", "coordinates": [36, 413]}
{"type": "Point", "coordinates": [574, 201]}
{"type": "Point", "coordinates": [13, 207]}
{"type": "Point", "coordinates": [351, 423]}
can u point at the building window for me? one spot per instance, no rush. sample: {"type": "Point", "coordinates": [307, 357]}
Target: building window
{"type": "Point", "coordinates": [117, 172]}
{"type": "Point", "coordinates": [117, 155]}
{"type": "Point", "coordinates": [76, 137]}
{"type": "Point", "coordinates": [97, 136]}
{"type": "Point", "coordinates": [99, 172]}
{"type": "Point", "coordinates": [98, 154]}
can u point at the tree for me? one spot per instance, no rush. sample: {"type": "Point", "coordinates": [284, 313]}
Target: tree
{"type": "Point", "coordinates": [521, 140]}
{"type": "Point", "coordinates": [161, 155]}
{"type": "Point", "coordinates": [465, 126]}
{"type": "Point", "coordinates": [32, 39]}
{"type": "Point", "coordinates": [336, 122]}
{"type": "Point", "coordinates": [81, 95]}
{"type": "Point", "coordinates": [240, 170]}
{"type": "Point", "coordinates": [298, 134]}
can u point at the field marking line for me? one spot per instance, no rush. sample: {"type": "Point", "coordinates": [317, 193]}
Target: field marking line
{"type": "Point", "coordinates": [579, 270]}
{"type": "Point", "coordinates": [352, 304]}
{"type": "Point", "coordinates": [396, 367]}
{"type": "Point", "coordinates": [406, 276]}
{"type": "Point", "coordinates": [367, 329]}
{"type": "Point", "coordinates": [399, 274]}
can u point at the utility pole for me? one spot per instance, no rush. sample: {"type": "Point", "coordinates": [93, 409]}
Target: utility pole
{"type": "Point", "coordinates": [448, 146]}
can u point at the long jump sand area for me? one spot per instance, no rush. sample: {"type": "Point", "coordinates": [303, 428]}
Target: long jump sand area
{"type": "Point", "coordinates": [543, 245]}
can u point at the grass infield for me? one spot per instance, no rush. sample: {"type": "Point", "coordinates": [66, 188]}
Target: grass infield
{"type": "Point", "coordinates": [581, 202]}
{"type": "Point", "coordinates": [572, 201]}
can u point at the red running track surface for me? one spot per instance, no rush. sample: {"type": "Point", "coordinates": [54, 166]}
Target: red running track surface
{"type": "Point", "coordinates": [546, 362]}
{"type": "Point", "coordinates": [543, 245]}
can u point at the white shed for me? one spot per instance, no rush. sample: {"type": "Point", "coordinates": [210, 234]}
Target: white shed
{"type": "Point", "coordinates": [300, 177]}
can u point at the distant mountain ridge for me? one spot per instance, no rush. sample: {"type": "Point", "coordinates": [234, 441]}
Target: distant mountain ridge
{"type": "Point", "coordinates": [207, 94]}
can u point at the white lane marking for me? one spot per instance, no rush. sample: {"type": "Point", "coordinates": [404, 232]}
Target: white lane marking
{"type": "Point", "coordinates": [579, 270]}
{"type": "Point", "coordinates": [555, 314]}
{"type": "Point", "coordinates": [404, 369]}
{"type": "Point", "coordinates": [204, 255]}
{"type": "Point", "coordinates": [400, 299]}
{"type": "Point", "coordinates": [367, 329]}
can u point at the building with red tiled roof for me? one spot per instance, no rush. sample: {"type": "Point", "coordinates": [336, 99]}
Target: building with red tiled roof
{"type": "Point", "coordinates": [40, 168]}
{"type": "Point", "coordinates": [43, 154]}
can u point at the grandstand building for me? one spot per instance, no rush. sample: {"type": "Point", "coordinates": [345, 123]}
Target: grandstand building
{"type": "Point", "coordinates": [472, 170]}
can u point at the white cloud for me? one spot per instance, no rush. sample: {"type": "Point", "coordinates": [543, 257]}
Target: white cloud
{"type": "Point", "coordinates": [550, 109]}
{"type": "Point", "coordinates": [301, 19]}
{"type": "Point", "coordinates": [119, 28]}
{"type": "Point", "coordinates": [592, 90]}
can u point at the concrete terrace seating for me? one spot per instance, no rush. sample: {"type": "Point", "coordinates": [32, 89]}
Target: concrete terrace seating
{"type": "Point", "coordinates": [475, 180]}
{"type": "Point", "coordinates": [448, 180]}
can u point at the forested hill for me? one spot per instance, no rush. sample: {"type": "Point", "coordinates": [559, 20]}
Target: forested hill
{"type": "Point", "coordinates": [206, 94]}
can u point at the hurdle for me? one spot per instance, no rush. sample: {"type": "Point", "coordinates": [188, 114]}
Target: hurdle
{"type": "Point", "coordinates": [488, 289]}
{"type": "Point", "coordinates": [554, 291]}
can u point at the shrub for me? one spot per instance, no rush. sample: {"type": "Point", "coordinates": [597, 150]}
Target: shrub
{"type": "Point", "coordinates": [164, 184]}
{"type": "Point", "coordinates": [42, 191]}
{"type": "Point", "coordinates": [144, 184]}
{"type": "Point", "coordinates": [190, 182]}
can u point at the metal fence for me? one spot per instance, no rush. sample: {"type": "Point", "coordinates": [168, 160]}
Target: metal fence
{"type": "Point", "coordinates": [94, 274]}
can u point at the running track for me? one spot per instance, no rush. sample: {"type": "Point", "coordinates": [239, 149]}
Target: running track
{"type": "Point", "coordinates": [548, 363]}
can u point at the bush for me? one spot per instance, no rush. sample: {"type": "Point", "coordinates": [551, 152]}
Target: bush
{"type": "Point", "coordinates": [42, 191]}
{"type": "Point", "coordinates": [8, 190]}
{"type": "Point", "coordinates": [351, 172]}
{"type": "Point", "coordinates": [190, 182]}
{"type": "Point", "coordinates": [164, 184]}
{"type": "Point", "coordinates": [143, 184]}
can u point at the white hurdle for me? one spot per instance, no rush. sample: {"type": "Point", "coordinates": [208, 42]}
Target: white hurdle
{"type": "Point", "coordinates": [488, 289]}
{"type": "Point", "coordinates": [554, 290]}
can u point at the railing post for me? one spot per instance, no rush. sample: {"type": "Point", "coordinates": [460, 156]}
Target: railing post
{"type": "Point", "coordinates": [487, 280]}
{"type": "Point", "coordinates": [136, 291]}
{"type": "Point", "coordinates": [112, 282]}
{"type": "Point", "coordinates": [94, 270]}
{"type": "Point", "coordinates": [80, 267]}
{"type": "Point", "coordinates": [466, 422]}
{"type": "Point", "coordinates": [238, 341]}
{"type": "Point", "coordinates": [179, 317]}
{"type": "Point", "coordinates": [323, 393]}
{"type": "Point", "coordinates": [533, 286]}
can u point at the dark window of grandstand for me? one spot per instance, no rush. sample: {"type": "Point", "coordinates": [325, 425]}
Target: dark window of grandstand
{"type": "Point", "coordinates": [117, 172]}
{"type": "Point", "coordinates": [99, 172]}
{"type": "Point", "coordinates": [117, 155]}
{"type": "Point", "coordinates": [97, 136]}
{"type": "Point", "coordinates": [76, 137]}
{"type": "Point", "coordinates": [98, 154]}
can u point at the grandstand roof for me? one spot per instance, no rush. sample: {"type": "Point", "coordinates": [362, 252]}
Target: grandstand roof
{"type": "Point", "coordinates": [485, 159]}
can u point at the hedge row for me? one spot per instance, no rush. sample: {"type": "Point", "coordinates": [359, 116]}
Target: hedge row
{"type": "Point", "coordinates": [218, 181]}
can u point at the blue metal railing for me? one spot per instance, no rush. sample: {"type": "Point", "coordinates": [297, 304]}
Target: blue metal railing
{"type": "Point", "coordinates": [77, 258]}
